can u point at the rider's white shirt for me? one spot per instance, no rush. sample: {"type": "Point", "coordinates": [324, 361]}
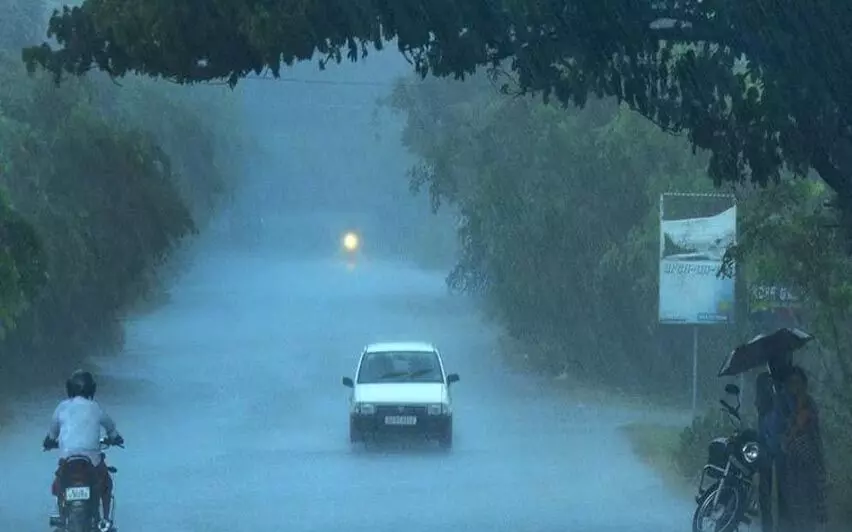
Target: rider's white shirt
{"type": "Point", "coordinates": [77, 426]}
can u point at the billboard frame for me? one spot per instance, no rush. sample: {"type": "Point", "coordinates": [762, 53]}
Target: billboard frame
{"type": "Point", "coordinates": [695, 326]}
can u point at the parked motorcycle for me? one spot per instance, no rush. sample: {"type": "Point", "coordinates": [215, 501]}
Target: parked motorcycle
{"type": "Point", "coordinates": [79, 503]}
{"type": "Point", "coordinates": [730, 501]}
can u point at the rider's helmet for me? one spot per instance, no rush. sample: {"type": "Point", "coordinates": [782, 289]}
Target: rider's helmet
{"type": "Point", "coordinates": [81, 384]}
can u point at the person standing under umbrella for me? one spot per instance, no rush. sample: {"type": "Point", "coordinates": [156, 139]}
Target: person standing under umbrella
{"type": "Point", "coordinates": [770, 439]}
{"type": "Point", "coordinates": [802, 479]}
{"type": "Point", "coordinates": [780, 417]}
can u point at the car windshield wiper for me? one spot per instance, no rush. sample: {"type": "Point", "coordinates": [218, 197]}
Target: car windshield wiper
{"type": "Point", "coordinates": [393, 374]}
{"type": "Point", "coordinates": [409, 374]}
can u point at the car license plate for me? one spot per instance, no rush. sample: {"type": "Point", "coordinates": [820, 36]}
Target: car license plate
{"type": "Point", "coordinates": [79, 493]}
{"type": "Point", "coordinates": [400, 420]}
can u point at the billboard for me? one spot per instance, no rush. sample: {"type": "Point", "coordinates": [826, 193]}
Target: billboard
{"type": "Point", "coordinates": [691, 252]}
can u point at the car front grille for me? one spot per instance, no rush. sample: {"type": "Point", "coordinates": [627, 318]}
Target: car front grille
{"type": "Point", "coordinates": [401, 410]}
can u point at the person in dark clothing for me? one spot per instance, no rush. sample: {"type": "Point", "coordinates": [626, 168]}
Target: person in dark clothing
{"type": "Point", "coordinates": [780, 367]}
{"type": "Point", "coordinates": [803, 484]}
{"type": "Point", "coordinates": [764, 402]}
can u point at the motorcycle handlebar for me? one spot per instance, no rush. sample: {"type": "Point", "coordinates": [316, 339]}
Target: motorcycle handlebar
{"type": "Point", "coordinates": [106, 442]}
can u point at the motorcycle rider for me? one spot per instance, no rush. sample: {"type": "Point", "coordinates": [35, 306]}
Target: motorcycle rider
{"type": "Point", "coordinates": [76, 431]}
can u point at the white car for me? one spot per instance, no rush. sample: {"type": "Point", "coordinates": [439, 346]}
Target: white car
{"type": "Point", "coordinates": [402, 388]}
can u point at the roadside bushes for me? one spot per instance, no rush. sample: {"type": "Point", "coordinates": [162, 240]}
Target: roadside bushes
{"type": "Point", "coordinates": [21, 263]}
{"type": "Point", "coordinates": [98, 184]}
{"type": "Point", "coordinates": [691, 451]}
{"type": "Point", "coordinates": [559, 229]}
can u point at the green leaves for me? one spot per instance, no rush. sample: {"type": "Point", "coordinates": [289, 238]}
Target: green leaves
{"type": "Point", "coordinates": [559, 213]}
{"type": "Point", "coordinates": [105, 181]}
{"type": "Point", "coordinates": [790, 237]}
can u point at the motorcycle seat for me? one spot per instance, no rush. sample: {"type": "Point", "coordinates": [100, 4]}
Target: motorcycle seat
{"type": "Point", "coordinates": [76, 458]}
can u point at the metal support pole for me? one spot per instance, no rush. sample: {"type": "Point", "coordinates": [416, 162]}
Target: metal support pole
{"type": "Point", "coordinates": [694, 370]}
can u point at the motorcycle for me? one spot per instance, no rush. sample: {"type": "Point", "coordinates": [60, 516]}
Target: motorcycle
{"type": "Point", "coordinates": [730, 501]}
{"type": "Point", "coordinates": [79, 504]}
{"type": "Point", "coordinates": [351, 246]}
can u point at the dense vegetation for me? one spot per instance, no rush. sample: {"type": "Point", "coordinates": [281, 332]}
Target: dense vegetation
{"type": "Point", "coordinates": [560, 235]}
{"type": "Point", "coordinates": [559, 231]}
{"type": "Point", "coordinates": [98, 183]}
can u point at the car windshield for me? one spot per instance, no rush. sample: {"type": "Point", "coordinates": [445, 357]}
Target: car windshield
{"type": "Point", "coordinates": [403, 366]}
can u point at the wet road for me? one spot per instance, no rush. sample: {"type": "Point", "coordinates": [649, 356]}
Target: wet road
{"type": "Point", "coordinates": [230, 400]}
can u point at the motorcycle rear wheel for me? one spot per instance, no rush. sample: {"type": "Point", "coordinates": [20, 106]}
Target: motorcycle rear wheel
{"type": "Point", "coordinates": [726, 515]}
{"type": "Point", "coordinates": [79, 520]}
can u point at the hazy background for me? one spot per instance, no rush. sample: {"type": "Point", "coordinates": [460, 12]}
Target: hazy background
{"type": "Point", "coordinates": [329, 153]}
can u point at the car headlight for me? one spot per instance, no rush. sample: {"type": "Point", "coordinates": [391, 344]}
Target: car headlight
{"type": "Point", "coordinates": [366, 409]}
{"type": "Point", "coordinates": [751, 452]}
{"type": "Point", "coordinates": [438, 409]}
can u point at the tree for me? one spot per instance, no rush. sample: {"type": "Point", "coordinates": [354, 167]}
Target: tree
{"type": "Point", "coordinates": [760, 85]}
{"type": "Point", "coordinates": [22, 268]}
{"type": "Point", "coordinates": [559, 227]}
{"type": "Point", "coordinates": [98, 184]}
{"type": "Point", "coordinates": [788, 238]}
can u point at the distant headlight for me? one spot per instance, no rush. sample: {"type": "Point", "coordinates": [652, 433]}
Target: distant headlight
{"type": "Point", "coordinates": [438, 409]}
{"type": "Point", "coordinates": [751, 452]}
{"type": "Point", "coordinates": [351, 242]}
{"type": "Point", "coordinates": [365, 409]}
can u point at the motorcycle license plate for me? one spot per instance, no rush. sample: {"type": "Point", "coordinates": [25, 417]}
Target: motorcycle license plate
{"type": "Point", "coordinates": [78, 493]}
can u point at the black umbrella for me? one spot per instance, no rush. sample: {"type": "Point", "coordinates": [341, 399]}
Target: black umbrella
{"type": "Point", "coordinates": [762, 349]}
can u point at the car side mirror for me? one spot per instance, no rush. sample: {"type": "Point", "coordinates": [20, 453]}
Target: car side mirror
{"type": "Point", "coordinates": [732, 389]}
{"type": "Point", "coordinates": [348, 382]}
{"type": "Point", "coordinates": [452, 377]}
